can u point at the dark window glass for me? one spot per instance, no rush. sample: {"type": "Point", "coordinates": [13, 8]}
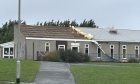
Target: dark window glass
{"type": "Point", "coordinates": [86, 50]}
{"type": "Point", "coordinates": [47, 49]}
{"type": "Point", "coordinates": [99, 52]}
{"type": "Point", "coordinates": [6, 51]}
{"type": "Point", "coordinates": [124, 53]}
{"type": "Point", "coordinates": [75, 49]}
{"type": "Point", "coordinates": [61, 48]}
{"type": "Point", "coordinates": [6, 56]}
{"type": "Point", "coordinates": [11, 51]}
{"type": "Point", "coordinates": [11, 57]}
{"type": "Point", "coordinates": [136, 53]}
{"type": "Point", "coordinates": [112, 53]}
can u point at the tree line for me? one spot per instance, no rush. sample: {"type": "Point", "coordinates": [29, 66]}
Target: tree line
{"type": "Point", "coordinates": [7, 30]}
{"type": "Point", "coordinates": [68, 23]}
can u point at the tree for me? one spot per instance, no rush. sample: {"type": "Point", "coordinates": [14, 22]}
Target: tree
{"type": "Point", "coordinates": [45, 23]}
{"type": "Point", "coordinates": [74, 23]}
{"type": "Point", "coordinates": [7, 31]}
{"type": "Point", "coordinates": [88, 23]}
{"type": "Point", "coordinates": [66, 23]}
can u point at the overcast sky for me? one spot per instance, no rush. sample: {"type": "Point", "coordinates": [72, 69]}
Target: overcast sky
{"type": "Point", "coordinates": [105, 13]}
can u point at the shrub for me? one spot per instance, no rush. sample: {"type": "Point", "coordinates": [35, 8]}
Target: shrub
{"type": "Point", "coordinates": [52, 56]}
{"type": "Point", "coordinates": [72, 56]}
{"type": "Point", "coordinates": [65, 56]}
{"type": "Point", "coordinates": [133, 60]}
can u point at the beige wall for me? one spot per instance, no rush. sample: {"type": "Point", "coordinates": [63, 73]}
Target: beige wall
{"type": "Point", "coordinates": [40, 46]}
{"type": "Point", "coordinates": [130, 48]}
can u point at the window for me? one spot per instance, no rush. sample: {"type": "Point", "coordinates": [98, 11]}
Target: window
{"type": "Point", "coordinates": [98, 52]}
{"type": "Point", "coordinates": [124, 51]}
{"type": "Point", "coordinates": [112, 51]}
{"type": "Point", "coordinates": [8, 52]}
{"type": "Point", "coordinates": [11, 51]}
{"type": "Point", "coordinates": [75, 47]}
{"type": "Point", "coordinates": [61, 47]}
{"type": "Point", "coordinates": [136, 51]}
{"type": "Point", "coordinates": [47, 46]}
{"type": "Point", "coordinates": [87, 49]}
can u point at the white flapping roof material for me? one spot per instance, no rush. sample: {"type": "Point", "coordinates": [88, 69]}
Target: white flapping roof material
{"type": "Point", "coordinates": [87, 35]}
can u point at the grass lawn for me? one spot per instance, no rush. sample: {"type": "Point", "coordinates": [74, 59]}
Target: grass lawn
{"type": "Point", "coordinates": [8, 70]}
{"type": "Point", "coordinates": [107, 73]}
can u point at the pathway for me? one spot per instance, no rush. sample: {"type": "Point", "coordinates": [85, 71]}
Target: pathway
{"type": "Point", "coordinates": [54, 73]}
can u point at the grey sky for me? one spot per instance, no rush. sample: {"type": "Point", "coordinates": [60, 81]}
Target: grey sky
{"type": "Point", "coordinates": [106, 13]}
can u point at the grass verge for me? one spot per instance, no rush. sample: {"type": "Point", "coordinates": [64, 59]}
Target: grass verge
{"type": "Point", "coordinates": [28, 70]}
{"type": "Point", "coordinates": [106, 73]}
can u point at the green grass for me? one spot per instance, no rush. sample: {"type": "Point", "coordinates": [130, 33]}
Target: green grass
{"type": "Point", "coordinates": [28, 70]}
{"type": "Point", "coordinates": [107, 73]}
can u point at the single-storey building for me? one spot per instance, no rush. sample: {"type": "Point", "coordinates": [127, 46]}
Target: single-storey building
{"type": "Point", "coordinates": [7, 50]}
{"type": "Point", "coordinates": [29, 40]}
{"type": "Point", "coordinates": [99, 44]}
{"type": "Point", "coordinates": [118, 44]}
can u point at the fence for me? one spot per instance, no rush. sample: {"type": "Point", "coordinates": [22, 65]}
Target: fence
{"type": "Point", "coordinates": [103, 57]}
{"type": "Point", "coordinates": [115, 57]}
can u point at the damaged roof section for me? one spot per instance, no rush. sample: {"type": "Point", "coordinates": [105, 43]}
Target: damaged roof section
{"type": "Point", "coordinates": [50, 32]}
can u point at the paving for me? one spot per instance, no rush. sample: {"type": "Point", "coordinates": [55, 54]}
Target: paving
{"type": "Point", "coordinates": [54, 73]}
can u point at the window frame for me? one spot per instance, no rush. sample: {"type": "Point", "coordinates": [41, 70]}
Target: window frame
{"type": "Point", "coordinates": [47, 46]}
{"type": "Point", "coordinates": [86, 47]}
{"type": "Point", "coordinates": [75, 45]}
{"type": "Point", "coordinates": [124, 48]}
{"type": "Point", "coordinates": [112, 47]}
{"type": "Point", "coordinates": [100, 51]}
{"type": "Point", "coordinates": [60, 47]}
{"type": "Point", "coordinates": [8, 55]}
{"type": "Point", "coordinates": [136, 48]}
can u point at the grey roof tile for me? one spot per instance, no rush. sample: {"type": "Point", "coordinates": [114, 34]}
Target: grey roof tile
{"type": "Point", "coordinates": [122, 35]}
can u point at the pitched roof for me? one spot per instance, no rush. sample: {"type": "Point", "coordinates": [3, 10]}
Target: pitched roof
{"type": "Point", "coordinates": [50, 32]}
{"type": "Point", "coordinates": [122, 35]}
{"type": "Point", "coordinates": [8, 44]}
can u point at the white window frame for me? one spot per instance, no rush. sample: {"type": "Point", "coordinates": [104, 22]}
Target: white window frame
{"type": "Point", "coordinates": [87, 48]}
{"type": "Point", "coordinates": [100, 51]}
{"type": "Point", "coordinates": [137, 48]}
{"type": "Point", "coordinates": [75, 45]}
{"type": "Point", "coordinates": [113, 49]}
{"type": "Point", "coordinates": [8, 55]}
{"type": "Point", "coordinates": [126, 51]}
{"type": "Point", "coordinates": [60, 46]}
{"type": "Point", "coordinates": [47, 46]}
